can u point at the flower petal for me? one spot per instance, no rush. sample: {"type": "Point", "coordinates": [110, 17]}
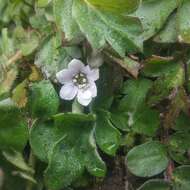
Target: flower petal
{"type": "Point", "coordinates": [95, 74]}
{"type": "Point", "coordinates": [84, 97]}
{"type": "Point", "coordinates": [64, 76]}
{"type": "Point", "coordinates": [76, 65]}
{"type": "Point", "coordinates": [93, 89]}
{"type": "Point", "coordinates": [92, 74]}
{"type": "Point", "coordinates": [68, 91]}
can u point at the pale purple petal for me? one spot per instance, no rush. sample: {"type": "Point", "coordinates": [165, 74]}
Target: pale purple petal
{"type": "Point", "coordinates": [86, 70]}
{"type": "Point", "coordinates": [93, 89]}
{"type": "Point", "coordinates": [68, 91]}
{"type": "Point", "coordinates": [64, 76]}
{"type": "Point", "coordinates": [84, 97]}
{"type": "Point", "coordinates": [92, 74]}
{"type": "Point", "coordinates": [76, 65]}
{"type": "Point", "coordinates": [95, 74]}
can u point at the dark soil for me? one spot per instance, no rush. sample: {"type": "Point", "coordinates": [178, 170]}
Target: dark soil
{"type": "Point", "coordinates": [115, 179]}
{"type": "Point", "coordinates": [118, 177]}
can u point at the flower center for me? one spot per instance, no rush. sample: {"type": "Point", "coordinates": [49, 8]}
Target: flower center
{"type": "Point", "coordinates": [80, 80]}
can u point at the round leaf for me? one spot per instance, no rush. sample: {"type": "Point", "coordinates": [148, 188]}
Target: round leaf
{"type": "Point", "coordinates": [179, 146]}
{"type": "Point", "coordinates": [181, 178]}
{"type": "Point", "coordinates": [155, 184]}
{"type": "Point", "coordinates": [148, 159]}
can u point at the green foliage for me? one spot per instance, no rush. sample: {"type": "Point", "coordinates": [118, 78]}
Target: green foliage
{"type": "Point", "coordinates": [134, 111]}
{"type": "Point", "coordinates": [155, 184]}
{"type": "Point", "coordinates": [51, 58]}
{"type": "Point", "coordinates": [153, 15]}
{"type": "Point", "coordinates": [141, 112]}
{"type": "Point", "coordinates": [181, 178]}
{"type": "Point", "coordinates": [63, 13]}
{"type": "Point", "coordinates": [179, 143]}
{"type": "Point", "coordinates": [148, 159]}
{"type": "Point", "coordinates": [105, 26]}
{"type": "Point", "coordinates": [69, 141]}
{"type": "Point", "coordinates": [13, 127]}
{"type": "Point", "coordinates": [104, 128]}
{"type": "Point", "coordinates": [17, 159]}
{"type": "Point", "coordinates": [43, 100]}
{"type": "Point", "coordinates": [182, 22]}
{"type": "Point", "coordinates": [121, 6]}
{"type": "Point", "coordinates": [42, 138]}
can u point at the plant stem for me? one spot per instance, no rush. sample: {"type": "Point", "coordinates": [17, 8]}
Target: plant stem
{"type": "Point", "coordinates": [76, 107]}
{"type": "Point", "coordinates": [185, 66]}
{"type": "Point", "coordinates": [186, 73]}
{"type": "Point", "coordinates": [169, 171]}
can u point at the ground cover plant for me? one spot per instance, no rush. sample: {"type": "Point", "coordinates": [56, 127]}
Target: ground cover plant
{"type": "Point", "coordinates": [94, 94]}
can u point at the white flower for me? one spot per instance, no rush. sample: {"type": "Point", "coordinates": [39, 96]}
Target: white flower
{"type": "Point", "coordinates": [78, 81]}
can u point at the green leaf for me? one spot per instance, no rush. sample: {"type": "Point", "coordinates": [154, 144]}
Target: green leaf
{"type": "Point", "coordinates": [43, 3]}
{"type": "Point", "coordinates": [43, 100]}
{"type": "Point", "coordinates": [74, 152]}
{"type": "Point", "coordinates": [155, 184]}
{"type": "Point", "coordinates": [51, 58]}
{"type": "Point", "coordinates": [107, 136]}
{"type": "Point", "coordinates": [16, 158]}
{"type": "Point", "coordinates": [147, 160]}
{"type": "Point", "coordinates": [182, 123]}
{"type": "Point", "coordinates": [85, 16]}
{"type": "Point", "coordinates": [7, 81]}
{"type": "Point", "coordinates": [26, 41]}
{"type": "Point", "coordinates": [153, 15]}
{"type": "Point", "coordinates": [25, 175]}
{"type": "Point", "coordinates": [135, 93]}
{"type": "Point", "coordinates": [179, 147]}
{"type": "Point", "coordinates": [118, 6]}
{"type": "Point", "coordinates": [65, 166]}
{"type": "Point", "coordinates": [40, 22]}
{"type": "Point", "coordinates": [157, 66]}
{"type": "Point", "coordinates": [181, 178]}
{"type": "Point", "coordinates": [163, 86]}
{"type": "Point", "coordinates": [169, 33]}
{"type": "Point", "coordinates": [146, 121]}
{"type": "Point", "coordinates": [8, 109]}
{"type": "Point", "coordinates": [64, 19]}
{"type": "Point", "coordinates": [136, 114]}
{"type": "Point", "coordinates": [13, 127]}
{"type": "Point", "coordinates": [121, 120]}
{"type": "Point", "coordinates": [20, 94]}
{"type": "Point", "coordinates": [180, 140]}
{"type": "Point", "coordinates": [7, 46]}
{"type": "Point", "coordinates": [99, 27]}
{"type": "Point", "coordinates": [15, 136]}
{"type": "Point", "coordinates": [43, 136]}
{"type": "Point", "coordinates": [8, 73]}
{"type": "Point", "coordinates": [183, 24]}
{"type": "Point", "coordinates": [10, 181]}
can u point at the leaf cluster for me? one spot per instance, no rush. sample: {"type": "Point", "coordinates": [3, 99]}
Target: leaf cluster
{"type": "Point", "coordinates": [141, 113]}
